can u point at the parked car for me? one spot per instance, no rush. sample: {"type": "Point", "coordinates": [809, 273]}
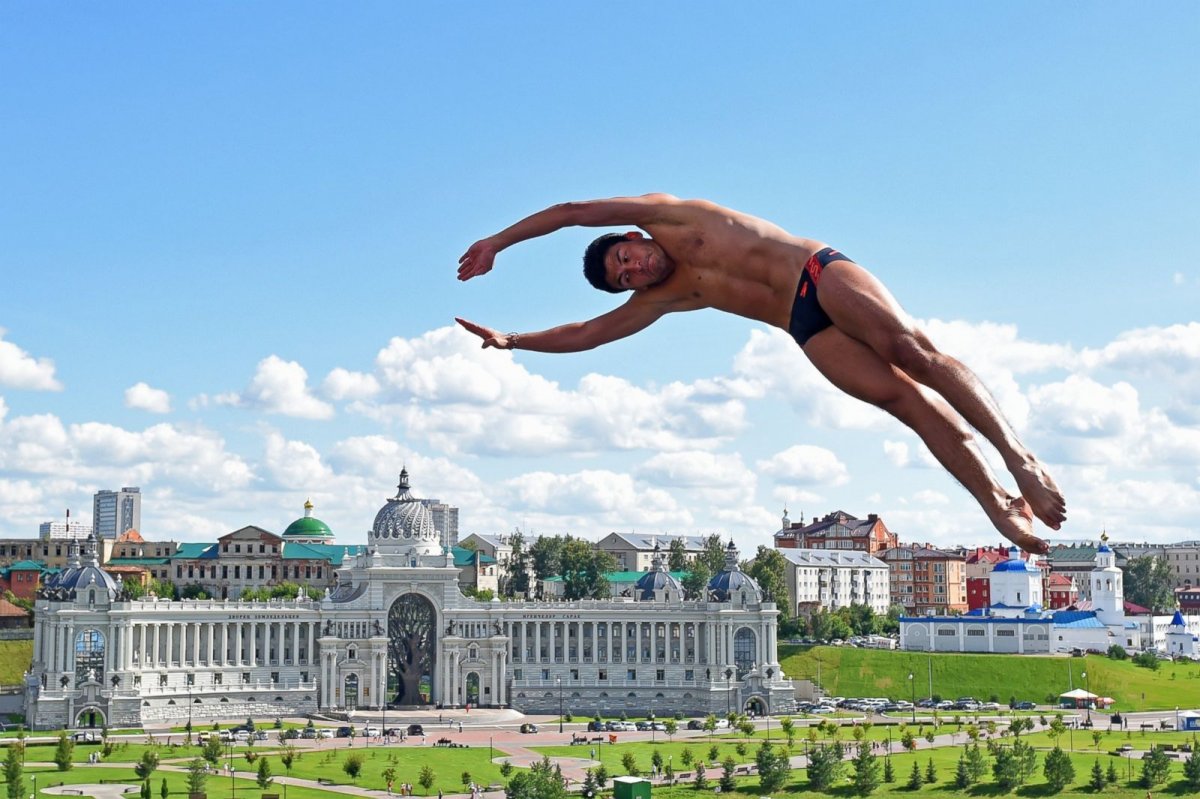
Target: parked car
{"type": "Point", "coordinates": [225, 735]}
{"type": "Point", "coordinates": [345, 732]}
{"type": "Point", "coordinates": [595, 726]}
{"type": "Point", "coordinates": [658, 726]}
{"type": "Point", "coordinates": [325, 732]}
{"type": "Point", "coordinates": [817, 709]}
{"type": "Point", "coordinates": [695, 724]}
{"type": "Point", "coordinates": [416, 729]}
{"type": "Point", "coordinates": [529, 728]}
{"type": "Point", "coordinates": [1025, 706]}
{"type": "Point", "coordinates": [308, 733]}
{"type": "Point", "coordinates": [242, 735]}
{"type": "Point", "coordinates": [642, 726]}
{"type": "Point", "coordinates": [370, 731]}
{"type": "Point", "coordinates": [259, 735]}
{"type": "Point", "coordinates": [87, 736]}
{"type": "Point", "coordinates": [393, 732]}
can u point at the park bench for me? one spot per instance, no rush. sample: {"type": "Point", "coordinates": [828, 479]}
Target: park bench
{"type": "Point", "coordinates": [579, 739]}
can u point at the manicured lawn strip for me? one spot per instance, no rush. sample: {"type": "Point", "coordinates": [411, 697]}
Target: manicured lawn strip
{"type": "Point", "coordinates": [15, 659]}
{"type": "Point", "coordinates": [846, 671]}
{"type": "Point", "coordinates": [447, 764]}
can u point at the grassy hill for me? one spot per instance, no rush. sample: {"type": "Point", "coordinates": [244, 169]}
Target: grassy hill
{"type": "Point", "coordinates": [845, 671]}
{"type": "Point", "coordinates": [15, 657]}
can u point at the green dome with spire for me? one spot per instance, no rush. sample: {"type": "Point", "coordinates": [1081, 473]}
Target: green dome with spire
{"type": "Point", "coordinates": [308, 528]}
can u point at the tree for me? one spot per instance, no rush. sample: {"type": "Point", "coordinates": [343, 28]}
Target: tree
{"type": "Point", "coordinates": [544, 555]}
{"type": "Point", "coordinates": [263, 777]}
{"type": "Point", "coordinates": [976, 762]}
{"type": "Point", "coordinates": [915, 780]}
{"type": "Point", "coordinates": [629, 763]}
{"type": "Point", "coordinates": [14, 768]}
{"type": "Point", "coordinates": [506, 769]}
{"type": "Point", "coordinates": [824, 768]}
{"type": "Point", "coordinates": [685, 757]}
{"type": "Point", "coordinates": [930, 773]}
{"type": "Point", "coordinates": [465, 778]}
{"type": "Point", "coordinates": [287, 757]}
{"type": "Point", "coordinates": [677, 555]}
{"type": "Point", "coordinates": [727, 782]}
{"type": "Point", "coordinates": [1147, 660]}
{"type": "Point", "coordinates": [670, 727]}
{"type": "Point", "coordinates": [583, 569]}
{"type": "Point", "coordinates": [197, 775]}
{"type": "Point", "coordinates": [656, 760]}
{"type": "Point", "coordinates": [789, 728]}
{"type": "Point", "coordinates": [1148, 583]}
{"type": "Point", "coordinates": [962, 774]}
{"type": "Point", "coordinates": [62, 752]}
{"type": "Point", "coordinates": [908, 740]}
{"type": "Point", "coordinates": [426, 777]}
{"type": "Point", "coordinates": [1097, 737]}
{"type": "Point", "coordinates": [352, 765]}
{"type": "Point", "coordinates": [769, 569]}
{"type": "Point", "coordinates": [1117, 652]}
{"type": "Point", "coordinates": [1191, 770]}
{"type": "Point", "coordinates": [145, 792]}
{"type": "Point", "coordinates": [1057, 728]}
{"type": "Point", "coordinates": [163, 790]}
{"type": "Point", "coordinates": [212, 750]}
{"type": "Point", "coordinates": [1059, 770]}
{"type": "Point", "coordinates": [866, 772]}
{"type": "Point", "coordinates": [1111, 773]}
{"type": "Point", "coordinates": [146, 766]}
{"type": "Point", "coordinates": [601, 776]}
{"type": "Point", "coordinates": [1097, 782]}
{"type": "Point", "coordinates": [1014, 765]}
{"type": "Point", "coordinates": [701, 781]}
{"type": "Point", "coordinates": [773, 768]}
{"type": "Point", "coordinates": [1155, 767]}
{"type": "Point", "coordinates": [707, 562]}
{"type": "Point", "coordinates": [517, 568]}
{"type": "Point", "coordinates": [389, 777]}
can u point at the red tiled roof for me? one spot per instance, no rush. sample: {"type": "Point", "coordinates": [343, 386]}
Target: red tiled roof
{"type": "Point", "coordinates": [9, 609]}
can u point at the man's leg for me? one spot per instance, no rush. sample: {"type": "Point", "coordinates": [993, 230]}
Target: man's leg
{"type": "Point", "coordinates": [858, 370]}
{"type": "Point", "coordinates": [862, 307]}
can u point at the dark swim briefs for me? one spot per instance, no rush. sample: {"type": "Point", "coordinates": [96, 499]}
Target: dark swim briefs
{"type": "Point", "coordinates": [808, 318]}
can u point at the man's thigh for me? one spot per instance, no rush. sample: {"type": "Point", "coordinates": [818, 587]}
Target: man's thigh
{"type": "Point", "coordinates": [855, 368]}
{"type": "Point", "coordinates": [863, 308]}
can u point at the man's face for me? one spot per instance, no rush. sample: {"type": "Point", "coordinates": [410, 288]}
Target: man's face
{"type": "Point", "coordinates": [636, 263]}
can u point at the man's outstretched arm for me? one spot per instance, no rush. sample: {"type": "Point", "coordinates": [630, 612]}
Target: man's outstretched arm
{"type": "Point", "coordinates": [636, 314]}
{"type": "Point", "coordinates": [640, 211]}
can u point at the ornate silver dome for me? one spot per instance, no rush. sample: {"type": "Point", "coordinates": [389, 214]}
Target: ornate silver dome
{"type": "Point", "coordinates": [83, 571]}
{"type": "Point", "coordinates": [655, 580]}
{"type": "Point", "coordinates": [404, 524]}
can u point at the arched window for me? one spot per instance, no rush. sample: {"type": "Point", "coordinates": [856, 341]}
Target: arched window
{"type": "Point", "coordinates": [89, 656]}
{"type": "Point", "coordinates": [743, 650]}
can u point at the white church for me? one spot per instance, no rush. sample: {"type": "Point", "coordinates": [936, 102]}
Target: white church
{"type": "Point", "coordinates": [1016, 623]}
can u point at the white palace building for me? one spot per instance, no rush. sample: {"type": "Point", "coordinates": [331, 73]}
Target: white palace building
{"type": "Point", "coordinates": [396, 631]}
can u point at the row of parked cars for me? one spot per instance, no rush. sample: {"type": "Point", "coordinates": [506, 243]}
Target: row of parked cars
{"type": "Point", "coordinates": [371, 731]}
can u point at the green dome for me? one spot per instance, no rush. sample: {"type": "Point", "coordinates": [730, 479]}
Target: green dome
{"type": "Point", "coordinates": [308, 526]}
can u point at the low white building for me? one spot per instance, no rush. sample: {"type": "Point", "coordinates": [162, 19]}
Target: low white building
{"type": "Point", "coordinates": [1016, 622]}
{"type": "Point", "coordinates": [835, 578]}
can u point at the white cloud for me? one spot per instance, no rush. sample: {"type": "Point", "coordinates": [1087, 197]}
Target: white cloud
{"type": "Point", "coordinates": [1178, 279]}
{"type": "Point", "coordinates": [896, 452]}
{"type": "Point", "coordinates": [281, 387]}
{"type": "Point", "coordinates": [805, 463]}
{"type": "Point", "coordinates": [18, 369]}
{"type": "Point", "coordinates": [607, 496]}
{"type": "Point", "coordinates": [447, 392]}
{"type": "Point", "coordinates": [342, 384]}
{"type": "Point", "coordinates": [141, 396]}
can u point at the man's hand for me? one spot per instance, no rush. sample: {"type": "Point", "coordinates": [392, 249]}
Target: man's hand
{"type": "Point", "coordinates": [477, 260]}
{"type": "Point", "coordinates": [491, 338]}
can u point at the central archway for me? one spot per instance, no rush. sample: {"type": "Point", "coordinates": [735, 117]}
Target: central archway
{"type": "Point", "coordinates": [412, 650]}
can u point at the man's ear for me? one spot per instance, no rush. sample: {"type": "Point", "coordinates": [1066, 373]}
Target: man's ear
{"type": "Point", "coordinates": [634, 234]}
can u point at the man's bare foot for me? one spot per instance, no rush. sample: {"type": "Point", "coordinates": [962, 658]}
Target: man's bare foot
{"type": "Point", "coordinates": [1015, 522]}
{"type": "Point", "coordinates": [1040, 491]}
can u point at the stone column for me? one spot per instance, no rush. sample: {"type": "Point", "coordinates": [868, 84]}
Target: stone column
{"type": "Point", "coordinates": [312, 646]}
{"type": "Point", "coordinates": [224, 660]}
{"type": "Point", "coordinates": [537, 642]}
{"type": "Point", "coordinates": [237, 643]}
{"type": "Point", "coordinates": [252, 654]}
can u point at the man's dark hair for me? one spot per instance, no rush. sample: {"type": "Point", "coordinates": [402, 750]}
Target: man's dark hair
{"type": "Point", "coordinates": [593, 262]}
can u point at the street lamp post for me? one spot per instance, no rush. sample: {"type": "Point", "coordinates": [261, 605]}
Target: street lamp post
{"type": "Point", "coordinates": [189, 726]}
{"type": "Point", "coordinates": [913, 685]}
{"type": "Point", "coordinates": [1087, 699]}
{"type": "Point", "coordinates": [653, 732]}
{"type": "Point", "coordinates": [232, 784]}
{"type": "Point", "coordinates": [558, 681]}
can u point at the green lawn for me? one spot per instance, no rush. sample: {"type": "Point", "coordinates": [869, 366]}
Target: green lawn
{"type": "Point", "coordinates": [846, 671]}
{"type": "Point", "coordinates": [15, 658]}
{"type": "Point", "coordinates": [217, 787]}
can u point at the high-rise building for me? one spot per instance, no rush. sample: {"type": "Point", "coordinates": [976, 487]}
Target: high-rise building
{"type": "Point", "coordinates": [75, 530]}
{"type": "Point", "coordinates": [445, 520]}
{"type": "Point", "coordinates": [114, 512]}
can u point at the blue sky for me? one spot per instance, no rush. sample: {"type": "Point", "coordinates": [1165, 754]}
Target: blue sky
{"type": "Point", "coordinates": [230, 233]}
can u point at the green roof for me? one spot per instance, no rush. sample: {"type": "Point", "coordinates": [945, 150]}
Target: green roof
{"type": "Point", "coordinates": [192, 550]}
{"type": "Point", "coordinates": [623, 577]}
{"type": "Point", "coordinates": [27, 565]}
{"type": "Point", "coordinates": [308, 527]}
{"type": "Point", "coordinates": [466, 557]}
{"type": "Point", "coordinates": [334, 553]}
{"type": "Point", "coordinates": [136, 562]}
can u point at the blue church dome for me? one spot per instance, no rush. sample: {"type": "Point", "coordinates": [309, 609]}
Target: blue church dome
{"type": "Point", "coordinates": [731, 579]}
{"type": "Point", "coordinates": [657, 579]}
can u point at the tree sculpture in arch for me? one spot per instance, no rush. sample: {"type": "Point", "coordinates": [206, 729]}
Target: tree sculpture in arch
{"type": "Point", "coordinates": [411, 645]}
